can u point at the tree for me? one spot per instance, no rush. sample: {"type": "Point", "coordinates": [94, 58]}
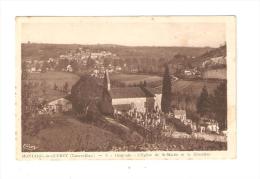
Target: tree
{"type": "Point", "coordinates": [63, 63]}
{"type": "Point", "coordinates": [219, 105]}
{"type": "Point", "coordinates": [203, 102]}
{"type": "Point", "coordinates": [85, 95]}
{"type": "Point", "coordinates": [166, 91]}
{"type": "Point", "coordinates": [44, 86]}
{"type": "Point", "coordinates": [75, 66]}
{"type": "Point", "coordinates": [45, 65]}
{"type": "Point", "coordinates": [55, 87]}
{"type": "Point", "coordinates": [66, 87]}
{"type": "Point", "coordinates": [145, 84]}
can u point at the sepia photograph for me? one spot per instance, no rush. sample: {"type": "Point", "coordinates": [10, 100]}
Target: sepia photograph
{"type": "Point", "coordinates": [148, 87]}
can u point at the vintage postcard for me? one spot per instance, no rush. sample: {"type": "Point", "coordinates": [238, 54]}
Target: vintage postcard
{"type": "Point", "coordinates": [148, 87]}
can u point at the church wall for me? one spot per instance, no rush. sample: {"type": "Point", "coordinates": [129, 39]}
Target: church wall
{"type": "Point", "coordinates": [138, 103]}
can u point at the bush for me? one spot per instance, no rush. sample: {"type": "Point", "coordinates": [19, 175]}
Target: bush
{"type": "Point", "coordinates": [32, 126]}
{"type": "Point", "coordinates": [181, 127]}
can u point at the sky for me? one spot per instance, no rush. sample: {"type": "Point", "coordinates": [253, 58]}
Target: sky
{"type": "Point", "coordinates": [131, 34]}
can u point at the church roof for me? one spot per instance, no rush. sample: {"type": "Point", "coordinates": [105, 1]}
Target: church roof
{"type": "Point", "coordinates": [157, 90]}
{"type": "Point", "coordinates": [129, 92]}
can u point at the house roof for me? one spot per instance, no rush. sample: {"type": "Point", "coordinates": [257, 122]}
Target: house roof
{"type": "Point", "coordinates": [60, 99]}
{"type": "Point", "coordinates": [129, 92]}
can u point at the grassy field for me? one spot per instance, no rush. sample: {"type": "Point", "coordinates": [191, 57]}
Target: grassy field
{"type": "Point", "coordinates": [131, 79]}
{"type": "Point", "coordinates": [186, 93]}
{"type": "Point", "coordinates": [216, 73]}
{"type": "Point", "coordinates": [51, 78]}
{"type": "Point", "coordinates": [192, 87]}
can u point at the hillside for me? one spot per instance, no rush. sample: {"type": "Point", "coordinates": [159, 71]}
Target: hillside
{"type": "Point", "coordinates": [213, 53]}
{"type": "Point", "coordinates": [45, 51]}
{"type": "Point", "coordinates": [67, 134]}
{"type": "Point", "coordinates": [191, 87]}
{"type": "Point", "coordinates": [215, 73]}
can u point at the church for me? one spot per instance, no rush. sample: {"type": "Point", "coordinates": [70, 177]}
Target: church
{"type": "Point", "coordinates": [140, 99]}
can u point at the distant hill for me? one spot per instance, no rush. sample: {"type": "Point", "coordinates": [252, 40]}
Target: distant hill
{"type": "Point", "coordinates": [212, 53]}
{"type": "Point", "coordinates": [45, 51]}
{"type": "Point", "coordinates": [213, 63]}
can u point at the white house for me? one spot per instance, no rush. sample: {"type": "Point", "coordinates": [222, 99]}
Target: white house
{"type": "Point", "coordinates": [59, 105]}
{"type": "Point", "coordinates": [187, 72]}
{"type": "Point", "coordinates": [209, 125]}
{"type": "Point", "coordinates": [69, 68]}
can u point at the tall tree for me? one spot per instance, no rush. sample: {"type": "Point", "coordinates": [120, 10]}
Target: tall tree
{"type": "Point", "coordinates": [86, 90]}
{"type": "Point", "coordinates": [166, 91]}
{"type": "Point", "coordinates": [203, 102]}
{"type": "Point", "coordinates": [144, 84]}
{"type": "Point", "coordinates": [66, 87]}
{"type": "Point", "coordinates": [55, 87]}
{"type": "Point", "coordinates": [219, 105]}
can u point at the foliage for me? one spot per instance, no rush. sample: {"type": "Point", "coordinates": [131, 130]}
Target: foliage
{"type": "Point", "coordinates": [66, 87]}
{"type": "Point", "coordinates": [214, 105]}
{"type": "Point", "coordinates": [86, 95]}
{"type": "Point", "coordinates": [203, 103]}
{"type": "Point", "coordinates": [85, 91]}
{"type": "Point", "coordinates": [219, 105]}
{"type": "Point", "coordinates": [55, 87]}
{"type": "Point", "coordinates": [29, 101]}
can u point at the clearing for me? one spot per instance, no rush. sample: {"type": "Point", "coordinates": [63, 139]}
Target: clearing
{"type": "Point", "coordinates": [131, 79]}
{"type": "Point", "coordinates": [192, 87]}
{"type": "Point", "coordinates": [53, 77]}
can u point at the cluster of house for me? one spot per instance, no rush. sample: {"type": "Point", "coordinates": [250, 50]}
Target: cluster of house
{"type": "Point", "coordinates": [99, 70]}
{"type": "Point", "coordinates": [194, 72]}
{"type": "Point", "coordinates": [221, 60]}
{"type": "Point", "coordinates": [79, 56]}
{"type": "Point", "coordinates": [83, 54]}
